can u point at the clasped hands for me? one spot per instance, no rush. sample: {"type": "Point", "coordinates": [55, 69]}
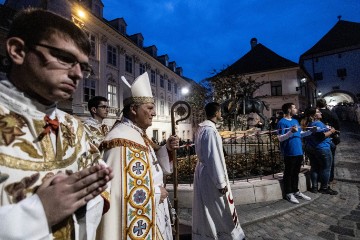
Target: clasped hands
{"type": "Point", "coordinates": [62, 194]}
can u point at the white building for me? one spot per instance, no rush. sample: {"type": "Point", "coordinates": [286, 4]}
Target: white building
{"type": "Point", "coordinates": [115, 53]}
{"type": "Point", "coordinates": [334, 63]}
{"type": "Point", "coordinates": [287, 81]}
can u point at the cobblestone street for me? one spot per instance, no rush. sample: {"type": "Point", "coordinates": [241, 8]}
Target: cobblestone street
{"type": "Point", "coordinates": [326, 217]}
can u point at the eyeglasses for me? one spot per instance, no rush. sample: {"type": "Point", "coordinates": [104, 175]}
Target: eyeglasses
{"type": "Point", "coordinates": [103, 106]}
{"type": "Point", "coordinates": [66, 59]}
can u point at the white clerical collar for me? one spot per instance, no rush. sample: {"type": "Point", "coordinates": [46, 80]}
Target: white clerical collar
{"type": "Point", "coordinates": [130, 123]}
{"type": "Point", "coordinates": [10, 89]}
{"type": "Point", "coordinates": [92, 121]}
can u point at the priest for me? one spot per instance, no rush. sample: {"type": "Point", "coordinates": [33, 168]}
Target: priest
{"type": "Point", "coordinates": [139, 208]}
{"type": "Point", "coordinates": [213, 215]}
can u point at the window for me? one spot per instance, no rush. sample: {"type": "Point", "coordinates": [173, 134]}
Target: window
{"type": "Point", "coordinates": [142, 68]}
{"type": "Point", "coordinates": [128, 64]}
{"type": "Point", "coordinates": [92, 40]}
{"type": "Point", "coordinates": [318, 76]}
{"type": "Point", "coordinates": [111, 55]}
{"type": "Point", "coordinates": [341, 73]}
{"type": "Point", "coordinates": [162, 106]}
{"type": "Point", "coordinates": [276, 88]}
{"type": "Point", "coordinates": [89, 89]}
{"type": "Point", "coordinates": [161, 81]}
{"type": "Point", "coordinates": [175, 88]}
{"type": "Point", "coordinates": [156, 135]}
{"type": "Point", "coordinates": [169, 86]}
{"type": "Point", "coordinates": [169, 107]}
{"type": "Point", "coordinates": [153, 77]}
{"type": "Point", "coordinates": [122, 29]}
{"type": "Point", "coordinates": [112, 95]}
{"type": "Point", "coordinates": [98, 10]}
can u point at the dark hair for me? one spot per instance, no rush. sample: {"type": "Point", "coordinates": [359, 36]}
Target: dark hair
{"type": "Point", "coordinates": [321, 103]}
{"type": "Point", "coordinates": [95, 101]}
{"type": "Point", "coordinates": [33, 25]}
{"type": "Point", "coordinates": [309, 112]}
{"type": "Point", "coordinates": [127, 109]}
{"type": "Point", "coordinates": [285, 108]}
{"type": "Point", "coordinates": [211, 109]}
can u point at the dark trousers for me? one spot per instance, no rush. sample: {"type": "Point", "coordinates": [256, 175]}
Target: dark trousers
{"type": "Point", "coordinates": [291, 173]}
{"type": "Point", "coordinates": [333, 149]}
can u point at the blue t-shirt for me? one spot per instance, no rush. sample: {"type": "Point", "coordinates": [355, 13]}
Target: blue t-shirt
{"type": "Point", "coordinates": [316, 141]}
{"type": "Point", "coordinates": [293, 145]}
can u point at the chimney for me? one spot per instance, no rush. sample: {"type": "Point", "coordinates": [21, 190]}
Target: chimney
{"type": "Point", "coordinates": [253, 42]}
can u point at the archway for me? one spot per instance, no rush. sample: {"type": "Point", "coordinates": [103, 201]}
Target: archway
{"type": "Point", "coordinates": [339, 96]}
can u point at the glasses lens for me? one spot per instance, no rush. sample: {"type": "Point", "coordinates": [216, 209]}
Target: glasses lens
{"type": "Point", "coordinates": [104, 107]}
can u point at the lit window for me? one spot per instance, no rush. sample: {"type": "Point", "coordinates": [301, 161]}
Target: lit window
{"type": "Point", "coordinates": [112, 95]}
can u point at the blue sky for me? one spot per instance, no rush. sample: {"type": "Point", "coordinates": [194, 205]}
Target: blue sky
{"type": "Point", "coordinates": [202, 35]}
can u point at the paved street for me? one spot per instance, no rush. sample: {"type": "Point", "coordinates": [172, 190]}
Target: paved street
{"type": "Point", "coordinates": [325, 216]}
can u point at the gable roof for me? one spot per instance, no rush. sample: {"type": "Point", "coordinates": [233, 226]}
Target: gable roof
{"type": "Point", "coordinates": [343, 35]}
{"type": "Point", "coordinates": [259, 59]}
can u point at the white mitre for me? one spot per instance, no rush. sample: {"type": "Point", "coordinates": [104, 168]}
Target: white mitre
{"type": "Point", "coordinates": [140, 90]}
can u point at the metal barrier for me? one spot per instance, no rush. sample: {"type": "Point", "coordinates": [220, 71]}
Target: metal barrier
{"type": "Point", "coordinates": [247, 157]}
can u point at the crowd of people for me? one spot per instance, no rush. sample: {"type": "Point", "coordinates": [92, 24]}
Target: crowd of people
{"type": "Point", "coordinates": [64, 179]}
{"type": "Point", "coordinates": [318, 135]}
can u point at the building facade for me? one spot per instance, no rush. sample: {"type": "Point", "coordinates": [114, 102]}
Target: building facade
{"type": "Point", "coordinates": [287, 81]}
{"type": "Point", "coordinates": [115, 53]}
{"type": "Point", "coordinates": [334, 63]}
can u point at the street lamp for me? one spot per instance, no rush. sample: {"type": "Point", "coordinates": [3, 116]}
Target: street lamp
{"type": "Point", "coordinates": [184, 91]}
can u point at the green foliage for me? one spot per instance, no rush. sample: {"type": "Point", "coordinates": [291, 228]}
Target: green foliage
{"type": "Point", "coordinates": [232, 86]}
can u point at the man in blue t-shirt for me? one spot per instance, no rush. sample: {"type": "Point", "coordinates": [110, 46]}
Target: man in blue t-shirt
{"type": "Point", "coordinates": [290, 134]}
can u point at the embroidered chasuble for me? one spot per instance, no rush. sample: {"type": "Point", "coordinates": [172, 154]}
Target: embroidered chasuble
{"type": "Point", "coordinates": [96, 130]}
{"type": "Point", "coordinates": [36, 142]}
{"type": "Point", "coordinates": [136, 212]}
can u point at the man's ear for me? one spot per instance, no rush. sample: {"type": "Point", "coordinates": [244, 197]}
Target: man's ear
{"type": "Point", "coordinates": [93, 110]}
{"type": "Point", "coordinates": [133, 110]}
{"type": "Point", "coordinates": [16, 50]}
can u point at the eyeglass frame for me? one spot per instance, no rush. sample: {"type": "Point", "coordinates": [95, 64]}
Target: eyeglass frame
{"type": "Point", "coordinates": [103, 107]}
{"type": "Point", "coordinates": [86, 68]}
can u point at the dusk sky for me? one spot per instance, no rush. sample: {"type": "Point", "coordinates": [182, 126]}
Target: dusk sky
{"type": "Point", "coordinates": [202, 35]}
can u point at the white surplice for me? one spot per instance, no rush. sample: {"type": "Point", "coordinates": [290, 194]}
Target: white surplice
{"type": "Point", "coordinates": [136, 211]}
{"type": "Point", "coordinates": [213, 214]}
{"type": "Point", "coordinates": [27, 160]}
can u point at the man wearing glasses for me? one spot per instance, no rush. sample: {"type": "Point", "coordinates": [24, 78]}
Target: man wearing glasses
{"type": "Point", "coordinates": [53, 184]}
{"type": "Point", "coordinates": [99, 109]}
